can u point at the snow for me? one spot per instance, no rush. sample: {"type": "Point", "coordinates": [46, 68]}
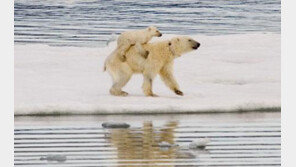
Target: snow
{"type": "Point", "coordinates": [227, 73]}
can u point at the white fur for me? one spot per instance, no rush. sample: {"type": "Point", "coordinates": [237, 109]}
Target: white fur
{"type": "Point", "coordinates": [137, 37]}
{"type": "Point", "coordinates": [160, 61]}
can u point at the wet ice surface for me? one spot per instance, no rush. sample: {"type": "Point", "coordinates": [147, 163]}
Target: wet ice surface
{"type": "Point", "coordinates": [250, 139]}
{"type": "Point", "coordinates": [227, 73]}
{"type": "Point", "coordinates": [91, 22]}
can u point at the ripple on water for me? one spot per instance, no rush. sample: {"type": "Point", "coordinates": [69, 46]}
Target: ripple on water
{"type": "Point", "coordinates": [90, 22]}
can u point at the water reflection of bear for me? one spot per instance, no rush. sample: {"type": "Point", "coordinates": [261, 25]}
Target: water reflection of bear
{"type": "Point", "coordinates": [144, 143]}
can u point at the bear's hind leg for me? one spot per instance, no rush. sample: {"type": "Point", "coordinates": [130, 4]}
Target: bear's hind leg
{"type": "Point", "coordinates": [119, 81]}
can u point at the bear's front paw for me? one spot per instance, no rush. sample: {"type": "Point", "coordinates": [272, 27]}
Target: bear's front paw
{"type": "Point", "coordinates": [178, 92]}
{"type": "Point", "coordinates": [152, 95]}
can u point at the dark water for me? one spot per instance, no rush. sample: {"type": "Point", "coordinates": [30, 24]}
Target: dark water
{"type": "Point", "coordinates": [90, 22]}
{"type": "Point", "coordinates": [240, 140]}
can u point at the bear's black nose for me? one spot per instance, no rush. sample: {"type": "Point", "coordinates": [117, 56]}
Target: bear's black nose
{"type": "Point", "coordinates": [160, 34]}
{"type": "Point", "coordinates": [196, 45]}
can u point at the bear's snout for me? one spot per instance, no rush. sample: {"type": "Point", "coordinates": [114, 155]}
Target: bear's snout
{"type": "Point", "coordinates": [160, 34]}
{"type": "Point", "coordinates": [197, 44]}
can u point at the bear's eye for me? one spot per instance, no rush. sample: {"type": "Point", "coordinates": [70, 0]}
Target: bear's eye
{"type": "Point", "coordinates": [189, 40]}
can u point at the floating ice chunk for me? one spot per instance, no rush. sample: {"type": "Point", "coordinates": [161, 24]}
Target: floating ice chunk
{"type": "Point", "coordinates": [114, 125]}
{"type": "Point", "coordinates": [59, 158]}
{"type": "Point", "coordinates": [207, 81]}
{"type": "Point", "coordinates": [199, 143]}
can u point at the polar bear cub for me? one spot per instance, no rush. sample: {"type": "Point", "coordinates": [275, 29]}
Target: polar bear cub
{"type": "Point", "coordinates": [137, 38]}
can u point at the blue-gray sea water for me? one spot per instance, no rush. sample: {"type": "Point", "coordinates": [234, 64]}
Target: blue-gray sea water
{"type": "Point", "coordinates": [91, 22]}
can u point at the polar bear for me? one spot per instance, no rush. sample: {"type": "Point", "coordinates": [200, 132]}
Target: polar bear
{"type": "Point", "coordinates": [137, 37]}
{"type": "Point", "coordinates": [159, 61]}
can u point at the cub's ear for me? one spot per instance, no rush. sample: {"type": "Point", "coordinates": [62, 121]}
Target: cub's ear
{"type": "Point", "coordinates": [178, 39]}
{"type": "Point", "coordinates": [149, 28]}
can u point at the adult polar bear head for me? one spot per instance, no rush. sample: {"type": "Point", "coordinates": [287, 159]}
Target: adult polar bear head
{"type": "Point", "coordinates": [159, 61]}
{"type": "Point", "coordinates": [182, 45]}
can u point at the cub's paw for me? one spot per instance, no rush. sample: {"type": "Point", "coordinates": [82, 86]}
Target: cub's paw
{"type": "Point", "coordinates": [145, 55]}
{"type": "Point", "coordinates": [122, 58]}
{"type": "Point", "coordinates": [178, 92]}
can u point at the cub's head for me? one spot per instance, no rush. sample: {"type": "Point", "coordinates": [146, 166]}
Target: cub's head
{"type": "Point", "coordinates": [183, 44]}
{"type": "Point", "coordinates": [153, 31]}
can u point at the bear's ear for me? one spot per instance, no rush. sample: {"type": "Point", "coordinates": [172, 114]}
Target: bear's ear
{"type": "Point", "coordinates": [178, 39]}
{"type": "Point", "coordinates": [149, 28]}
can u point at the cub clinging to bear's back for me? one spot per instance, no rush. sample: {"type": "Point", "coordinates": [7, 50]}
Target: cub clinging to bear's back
{"type": "Point", "coordinates": [137, 38]}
